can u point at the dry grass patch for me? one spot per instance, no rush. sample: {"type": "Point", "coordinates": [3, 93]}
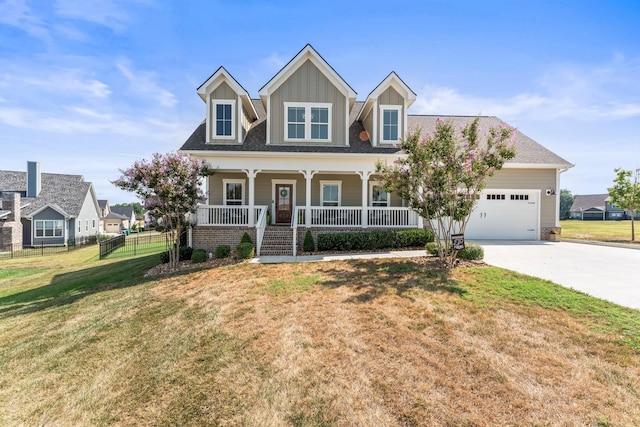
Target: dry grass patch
{"type": "Point", "coordinates": [383, 342]}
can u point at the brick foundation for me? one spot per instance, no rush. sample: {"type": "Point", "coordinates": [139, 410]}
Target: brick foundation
{"type": "Point", "coordinates": [209, 238]}
{"type": "Point", "coordinates": [546, 233]}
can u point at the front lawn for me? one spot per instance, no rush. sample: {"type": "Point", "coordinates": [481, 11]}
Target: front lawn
{"type": "Point", "coordinates": [369, 342]}
{"type": "Point", "coordinates": [604, 231]}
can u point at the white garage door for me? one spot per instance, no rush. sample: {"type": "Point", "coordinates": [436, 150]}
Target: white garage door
{"type": "Point", "coordinates": [505, 215]}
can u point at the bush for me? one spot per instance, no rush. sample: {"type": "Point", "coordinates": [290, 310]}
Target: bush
{"type": "Point", "coordinates": [471, 252]}
{"type": "Point", "coordinates": [223, 251]}
{"type": "Point", "coordinates": [245, 250]}
{"type": "Point", "coordinates": [374, 240]}
{"type": "Point", "coordinates": [246, 238]}
{"type": "Point", "coordinates": [185, 253]}
{"type": "Point", "coordinates": [198, 256]}
{"type": "Point", "coordinates": [309, 245]}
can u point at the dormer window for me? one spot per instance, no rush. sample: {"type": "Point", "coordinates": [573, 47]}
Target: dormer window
{"type": "Point", "coordinates": [309, 122]}
{"type": "Point", "coordinates": [223, 118]}
{"type": "Point", "coordinates": [390, 123]}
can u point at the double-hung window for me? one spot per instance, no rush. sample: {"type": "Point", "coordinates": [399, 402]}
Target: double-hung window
{"type": "Point", "coordinates": [379, 196]}
{"type": "Point", "coordinates": [233, 192]}
{"type": "Point", "coordinates": [223, 118]}
{"type": "Point", "coordinates": [307, 121]}
{"type": "Point", "coordinates": [330, 193]}
{"type": "Point", "coordinates": [390, 123]}
{"type": "Point", "coordinates": [49, 228]}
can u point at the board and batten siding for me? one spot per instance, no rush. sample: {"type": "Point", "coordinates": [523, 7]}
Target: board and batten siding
{"type": "Point", "coordinates": [530, 179]}
{"type": "Point", "coordinates": [224, 91]}
{"type": "Point", "coordinates": [308, 84]}
{"type": "Point", "coordinates": [390, 97]}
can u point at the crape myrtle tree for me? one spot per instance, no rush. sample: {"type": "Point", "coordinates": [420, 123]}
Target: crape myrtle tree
{"type": "Point", "coordinates": [169, 188]}
{"type": "Point", "coordinates": [442, 173]}
{"type": "Point", "coordinates": [625, 193]}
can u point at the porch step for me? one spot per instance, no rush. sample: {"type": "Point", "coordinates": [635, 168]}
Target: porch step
{"type": "Point", "coordinates": [277, 241]}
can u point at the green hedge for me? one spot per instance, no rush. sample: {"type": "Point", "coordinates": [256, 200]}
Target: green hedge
{"type": "Point", "coordinates": [198, 256]}
{"type": "Point", "coordinates": [374, 240]}
{"type": "Point", "coordinates": [308, 245]}
{"type": "Point", "coordinates": [245, 250]}
{"type": "Point", "coordinates": [223, 251]}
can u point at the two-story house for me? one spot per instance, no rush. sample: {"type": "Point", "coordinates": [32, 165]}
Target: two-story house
{"type": "Point", "coordinates": [302, 156]}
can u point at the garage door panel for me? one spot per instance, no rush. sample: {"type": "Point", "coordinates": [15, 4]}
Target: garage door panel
{"type": "Point", "coordinates": [505, 215]}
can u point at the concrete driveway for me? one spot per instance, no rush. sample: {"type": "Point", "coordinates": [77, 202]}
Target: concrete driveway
{"type": "Point", "coordinates": [610, 273]}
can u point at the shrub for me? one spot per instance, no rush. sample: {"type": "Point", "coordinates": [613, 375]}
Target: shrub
{"type": "Point", "coordinates": [374, 240]}
{"type": "Point", "coordinates": [471, 252]}
{"type": "Point", "coordinates": [245, 250]}
{"type": "Point", "coordinates": [185, 253]}
{"type": "Point", "coordinates": [246, 238]}
{"type": "Point", "coordinates": [164, 257]}
{"type": "Point", "coordinates": [198, 256]}
{"type": "Point", "coordinates": [223, 251]}
{"type": "Point", "coordinates": [308, 245]}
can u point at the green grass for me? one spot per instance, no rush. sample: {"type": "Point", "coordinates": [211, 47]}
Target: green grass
{"type": "Point", "coordinates": [94, 342]}
{"type": "Point", "coordinates": [605, 231]}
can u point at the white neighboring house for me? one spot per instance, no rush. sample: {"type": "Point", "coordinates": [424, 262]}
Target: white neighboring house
{"type": "Point", "coordinates": [302, 157]}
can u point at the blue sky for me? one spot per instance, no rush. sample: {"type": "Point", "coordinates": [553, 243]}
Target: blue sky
{"type": "Point", "coordinates": [88, 87]}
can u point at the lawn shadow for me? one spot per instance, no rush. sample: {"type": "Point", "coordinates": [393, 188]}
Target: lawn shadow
{"type": "Point", "coordinates": [374, 278]}
{"type": "Point", "coordinates": [67, 288]}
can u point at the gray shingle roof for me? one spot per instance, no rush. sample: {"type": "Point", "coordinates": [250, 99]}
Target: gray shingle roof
{"type": "Point", "coordinates": [66, 191]}
{"type": "Point", "coordinates": [126, 211]}
{"type": "Point", "coordinates": [527, 150]}
{"type": "Point", "coordinates": [589, 201]}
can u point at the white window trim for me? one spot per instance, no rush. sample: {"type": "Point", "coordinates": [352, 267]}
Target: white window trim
{"type": "Point", "coordinates": [397, 108]}
{"type": "Point", "coordinates": [307, 122]}
{"type": "Point", "coordinates": [338, 183]}
{"type": "Point", "coordinates": [214, 104]}
{"type": "Point", "coordinates": [35, 229]}
{"type": "Point", "coordinates": [371, 184]}
{"type": "Point", "coordinates": [233, 181]}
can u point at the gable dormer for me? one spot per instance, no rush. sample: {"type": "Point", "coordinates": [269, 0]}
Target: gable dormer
{"type": "Point", "coordinates": [307, 102]}
{"type": "Point", "coordinates": [384, 114]}
{"type": "Point", "coordinates": [230, 111]}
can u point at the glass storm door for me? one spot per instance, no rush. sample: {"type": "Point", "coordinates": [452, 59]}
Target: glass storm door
{"type": "Point", "coordinates": [284, 203]}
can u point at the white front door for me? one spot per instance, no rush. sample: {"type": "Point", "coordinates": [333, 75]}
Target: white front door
{"type": "Point", "coordinates": [505, 215]}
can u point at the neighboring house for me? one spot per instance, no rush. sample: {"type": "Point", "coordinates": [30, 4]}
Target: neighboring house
{"type": "Point", "coordinates": [115, 219]}
{"type": "Point", "coordinates": [128, 214]}
{"type": "Point", "coordinates": [53, 208]}
{"type": "Point", "coordinates": [595, 207]}
{"type": "Point", "coordinates": [305, 152]}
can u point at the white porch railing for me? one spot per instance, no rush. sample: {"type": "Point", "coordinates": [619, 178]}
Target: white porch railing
{"type": "Point", "coordinates": [232, 216]}
{"type": "Point", "coordinates": [331, 216]}
{"type": "Point", "coordinates": [261, 224]}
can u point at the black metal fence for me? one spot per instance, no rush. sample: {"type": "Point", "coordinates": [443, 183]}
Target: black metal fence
{"type": "Point", "coordinates": [136, 244]}
{"type": "Point", "coordinates": [21, 251]}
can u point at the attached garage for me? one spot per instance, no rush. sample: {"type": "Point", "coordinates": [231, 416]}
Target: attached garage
{"type": "Point", "coordinates": [505, 215]}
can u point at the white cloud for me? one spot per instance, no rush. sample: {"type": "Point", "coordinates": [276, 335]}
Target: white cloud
{"type": "Point", "coordinates": [143, 82]}
{"type": "Point", "coordinates": [602, 92]}
{"type": "Point", "coordinates": [62, 82]}
{"type": "Point", "coordinates": [108, 13]}
{"type": "Point", "coordinates": [18, 14]}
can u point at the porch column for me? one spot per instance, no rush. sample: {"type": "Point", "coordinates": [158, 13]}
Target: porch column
{"type": "Point", "coordinates": [308, 176]}
{"type": "Point", "coordinates": [251, 174]}
{"type": "Point", "coordinates": [365, 175]}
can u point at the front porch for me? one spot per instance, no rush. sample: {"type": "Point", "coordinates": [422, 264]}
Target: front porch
{"type": "Point", "coordinates": [224, 224]}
